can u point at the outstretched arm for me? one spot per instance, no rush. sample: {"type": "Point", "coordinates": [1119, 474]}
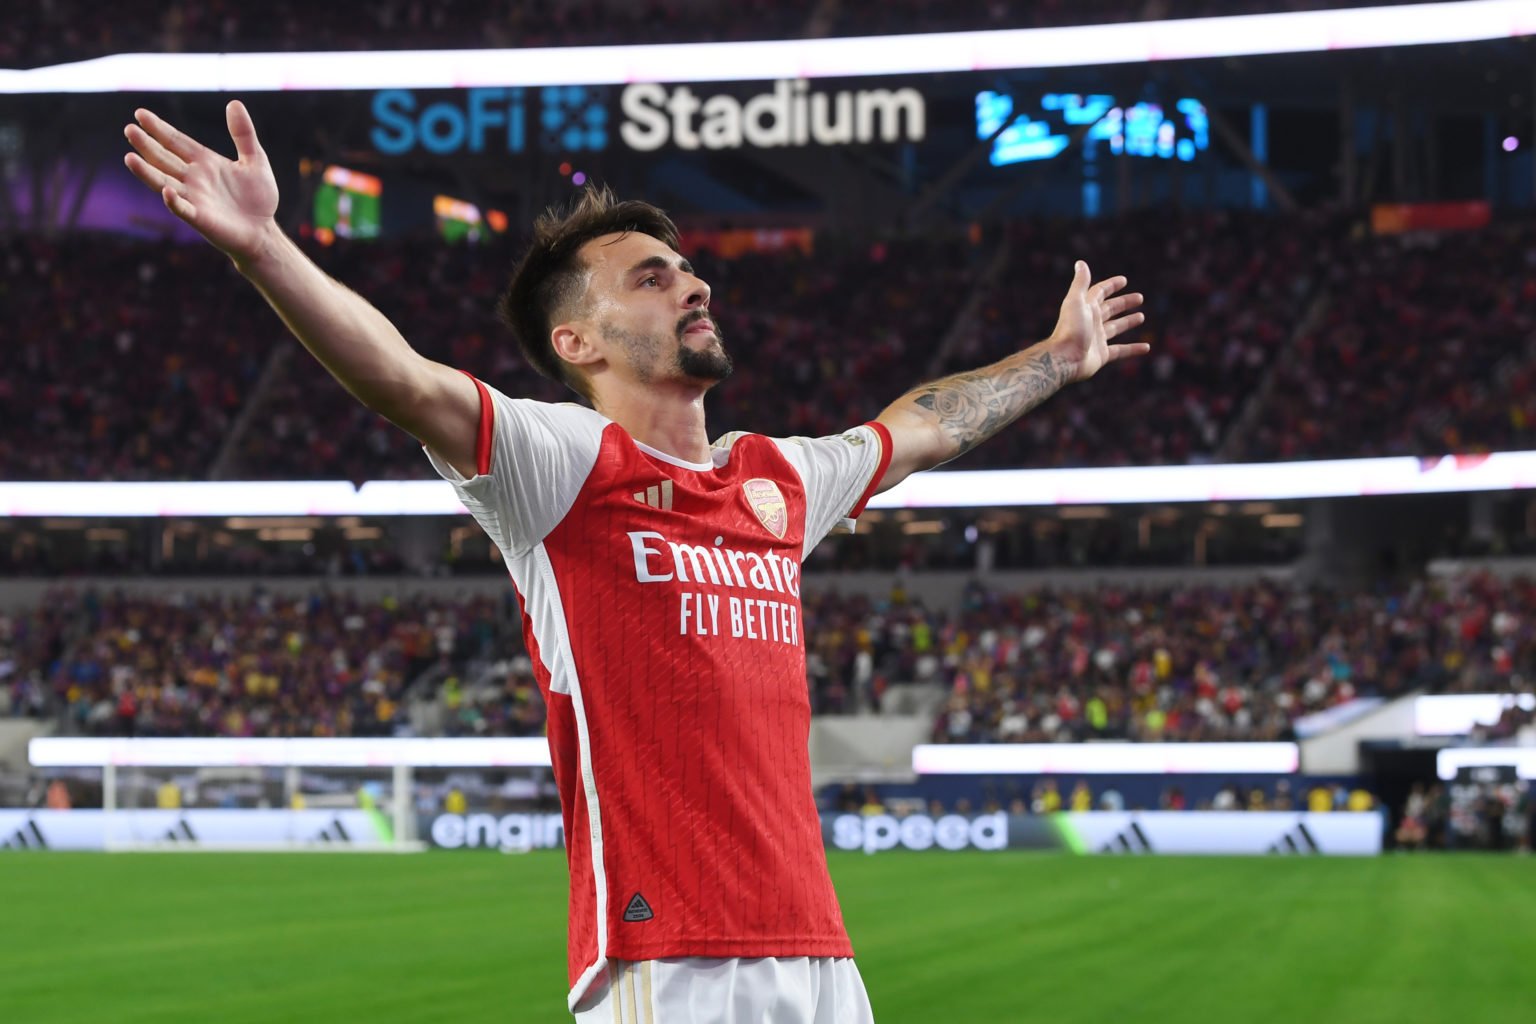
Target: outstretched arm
{"type": "Point", "coordinates": [943, 420]}
{"type": "Point", "coordinates": [232, 203]}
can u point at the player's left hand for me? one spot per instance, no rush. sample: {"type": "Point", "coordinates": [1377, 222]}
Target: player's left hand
{"type": "Point", "coordinates": [1093, 315]}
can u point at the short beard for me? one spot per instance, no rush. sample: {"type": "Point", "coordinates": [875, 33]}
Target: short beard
{"type": "Point", "coordinates": [711, 364]}
{"type": "Point", "coordinates": [645, 350]}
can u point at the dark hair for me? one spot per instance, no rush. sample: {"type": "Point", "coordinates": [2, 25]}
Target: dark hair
{"type": "Point", "coordinates": [547, 280]}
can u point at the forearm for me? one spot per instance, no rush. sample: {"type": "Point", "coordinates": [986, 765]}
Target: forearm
{"type": "Point", "coordinates": [350, 338]}
{"type": "Point", "coordinates": [955, 414]}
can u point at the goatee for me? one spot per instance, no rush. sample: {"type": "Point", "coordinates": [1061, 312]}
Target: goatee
{"type": "Point", "coordinates": [702, 364]}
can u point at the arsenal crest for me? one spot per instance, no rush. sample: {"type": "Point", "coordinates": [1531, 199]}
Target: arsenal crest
{"type": "Point", "coordinates": [768, 502]}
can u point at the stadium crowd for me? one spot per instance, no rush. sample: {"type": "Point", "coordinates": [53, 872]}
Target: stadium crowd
{"type": "Point", "coordinates": [163, 346]}
{"type": "Point", "coordinates": [1180, 664]}
{"type": "Point", "coordinates": [1223, 290]}
{"type": "Point", "coordinates": [252, 664]}
{"type": "Point", "coordinates": [1415, 349]}
{"type": "Point", "coordinates": [1185, 664]}
{"type": "Point", "coordinates": [1418, 351]}
{"type": "Point", "coordinates": [61, 30]}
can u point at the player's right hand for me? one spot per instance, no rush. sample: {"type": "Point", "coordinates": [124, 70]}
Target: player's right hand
{"type": "Point", "coordinates": [231, 203]}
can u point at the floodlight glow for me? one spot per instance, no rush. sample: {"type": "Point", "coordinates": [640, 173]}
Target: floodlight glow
{"type": "Point", "coordinates": [1118, 485]}
{"type": "Point", "coordinates": [1106, 758]}
{"type": "Point", "coordinates": [1452, 759]}
{"type": "Point", "coordinates": [235, 752]}
{"type": "Point", "coordinates": [1072, 46]}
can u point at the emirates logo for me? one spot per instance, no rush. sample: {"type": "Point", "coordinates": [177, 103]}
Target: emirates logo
{"type": "Point", "coordinates": [767, 501]}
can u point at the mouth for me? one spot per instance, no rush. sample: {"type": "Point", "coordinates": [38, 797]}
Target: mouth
{"type": "Point", "coordinates": [702, 327]}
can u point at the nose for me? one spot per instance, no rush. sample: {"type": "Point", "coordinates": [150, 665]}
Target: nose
{"type": "Point", "coordinates": [697, 296]}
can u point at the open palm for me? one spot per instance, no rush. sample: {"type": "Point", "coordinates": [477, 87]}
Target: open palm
{"type": "Point", "coordinates": [1091, 316]}
{"type": "Point", "coordinates": [230, 202]}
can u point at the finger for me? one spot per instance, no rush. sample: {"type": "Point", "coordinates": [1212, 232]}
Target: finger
{"type": "Point", "coordinates": [1104, 289]}
{"type": "Point", "coordinates": [1080, 278]}
{"type": "Point", "coordinates": [242, 130]}
{"type": "Point", "coordinates": [178, 205]}
{"type": "Point", "coordinates": [183, 145]}
{"type": "Point", "coordinates": [149, 175]}
{"type": "Point", "coordinates": [1122, 304]}
{"type": "Point", "coordinates": [1123, 324]}
{"type": "Point", "coordinates": [154, 153]}
{"type": "Point", "coordinates": [1118, 352]}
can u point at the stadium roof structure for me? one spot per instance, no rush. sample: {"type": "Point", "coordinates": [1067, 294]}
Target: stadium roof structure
{"type": "Point", "coordinates": [1072, 46]}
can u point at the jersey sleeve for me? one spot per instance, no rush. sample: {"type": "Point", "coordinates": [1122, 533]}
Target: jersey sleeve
{"type": "Point", "coordinates": [840, 473]}
{"type": "Point", "coordinates": [532, 459]}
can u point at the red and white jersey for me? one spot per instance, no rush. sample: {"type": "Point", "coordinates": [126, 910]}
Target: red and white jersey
{"type": "Point", "coordinates": [661, 604]}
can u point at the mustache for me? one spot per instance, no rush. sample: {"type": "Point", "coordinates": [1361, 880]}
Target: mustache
{"type": "Point", "coordinates": [694, 317]}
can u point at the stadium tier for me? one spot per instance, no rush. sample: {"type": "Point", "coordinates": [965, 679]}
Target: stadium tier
{"type": "Point", "coordinates": [1274, 338]}
{"type": "Point", "coordinates": [1196, 663]}
{"type": "Point", "coordinates": [1418, 345]}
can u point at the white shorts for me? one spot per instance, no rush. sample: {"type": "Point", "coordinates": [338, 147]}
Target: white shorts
{"type": "Point", "coordinates": [771, 990]}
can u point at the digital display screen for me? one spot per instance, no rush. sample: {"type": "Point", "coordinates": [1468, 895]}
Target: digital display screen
{"type": "Point", "coordinates": [1139, 129]}
{"type": "Point", "coordinates": [347, 205]}
{"type": "Point", "coordinates": [462, 221]}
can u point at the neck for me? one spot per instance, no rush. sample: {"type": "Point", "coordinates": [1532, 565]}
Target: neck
{"type": "Point", "coordinates": [669, 419]}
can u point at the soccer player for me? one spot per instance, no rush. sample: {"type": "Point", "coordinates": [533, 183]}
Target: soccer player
{"type": "Point", "coordinates": [659, 573]}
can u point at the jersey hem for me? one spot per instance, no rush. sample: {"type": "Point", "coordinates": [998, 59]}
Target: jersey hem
{"type": "Point", "coordinates": [727, 948]}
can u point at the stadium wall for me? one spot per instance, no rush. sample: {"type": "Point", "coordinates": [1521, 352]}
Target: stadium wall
{"type": "Point", "coordinates": [870, 749]}
{"type": "Point", "coordinates": [1338, 752]}
{"type": "Point", "coordinates": [15, 734]}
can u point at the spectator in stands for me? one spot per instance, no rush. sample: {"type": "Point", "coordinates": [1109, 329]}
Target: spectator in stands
{"type": "Point", "coordinates": [1412, 829]}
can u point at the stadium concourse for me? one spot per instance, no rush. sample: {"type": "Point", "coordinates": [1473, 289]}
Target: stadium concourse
{"type": "Point", "coordinates": [1268, 339]}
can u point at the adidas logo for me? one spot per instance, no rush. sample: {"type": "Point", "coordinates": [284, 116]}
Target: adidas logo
{"type": "Point", "coordinates": [333, 833]}
{"type": "Point", "coordinates": [182, 832]}
{"type": "Point", "coordinates": [657, 496]}
{"type": "Point", "coordinates": [28, 837]}
{"type": "Point", "coordinates": [1297, 840]}
{"type": "Point", "coordinates": [1132, 840]}
{"type": "Point", "coordinates": [638, 909]}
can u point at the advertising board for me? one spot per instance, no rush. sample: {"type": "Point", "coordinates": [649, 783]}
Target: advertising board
{"type": "Point", "coordinates": [1170, 832]}
{"type": "Point", "coordinates": [193, 829]}
{"type": "Point", "coordinates": [1102, 832]}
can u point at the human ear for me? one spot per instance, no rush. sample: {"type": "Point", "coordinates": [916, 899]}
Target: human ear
{"type": "Point", "coordinates": [575, 343]}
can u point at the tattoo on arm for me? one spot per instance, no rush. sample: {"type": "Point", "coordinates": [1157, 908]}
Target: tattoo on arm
{"type": "Point", "coordinates": [973, 406]}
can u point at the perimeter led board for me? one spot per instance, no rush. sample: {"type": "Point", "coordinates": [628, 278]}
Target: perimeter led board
{"type": "Point", "coordinates": [234, 752]}
{"type": "Point", "coordinates": [1106, 758]}
{"type": "Point", "coordinates": [1005, 488]}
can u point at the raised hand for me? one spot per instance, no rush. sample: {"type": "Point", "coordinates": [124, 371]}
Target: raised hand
{"type": "Point", "coordinates": [230, 202]}
{"type": "Point", "coordinates": [1091, 316]}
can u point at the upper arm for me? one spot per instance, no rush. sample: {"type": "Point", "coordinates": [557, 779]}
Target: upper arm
{"type": "Point", "coordinates": [441, 408]}
{"type": "Point", "coordinates": [916, 444]}
{"type": "Point", "coordinates": [526, 467]}
{"type": "Point", "coordinates": [840, 473]}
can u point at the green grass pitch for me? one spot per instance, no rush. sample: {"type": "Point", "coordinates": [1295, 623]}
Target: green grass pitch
{"type": "Point", "coordinates": [479, 937]}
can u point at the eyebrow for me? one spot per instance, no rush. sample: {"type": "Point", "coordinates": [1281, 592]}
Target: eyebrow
{"type": "Point", "coordinates": [659, 263]}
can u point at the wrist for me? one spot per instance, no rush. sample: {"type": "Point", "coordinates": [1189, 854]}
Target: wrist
{"type": "Point", "coordinates": [1066, 358]}
{"type": "Point", "coordinates": [253, 257]}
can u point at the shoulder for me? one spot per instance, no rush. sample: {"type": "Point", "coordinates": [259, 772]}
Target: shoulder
{"type": "Point", "coordinates": [548, 412]}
